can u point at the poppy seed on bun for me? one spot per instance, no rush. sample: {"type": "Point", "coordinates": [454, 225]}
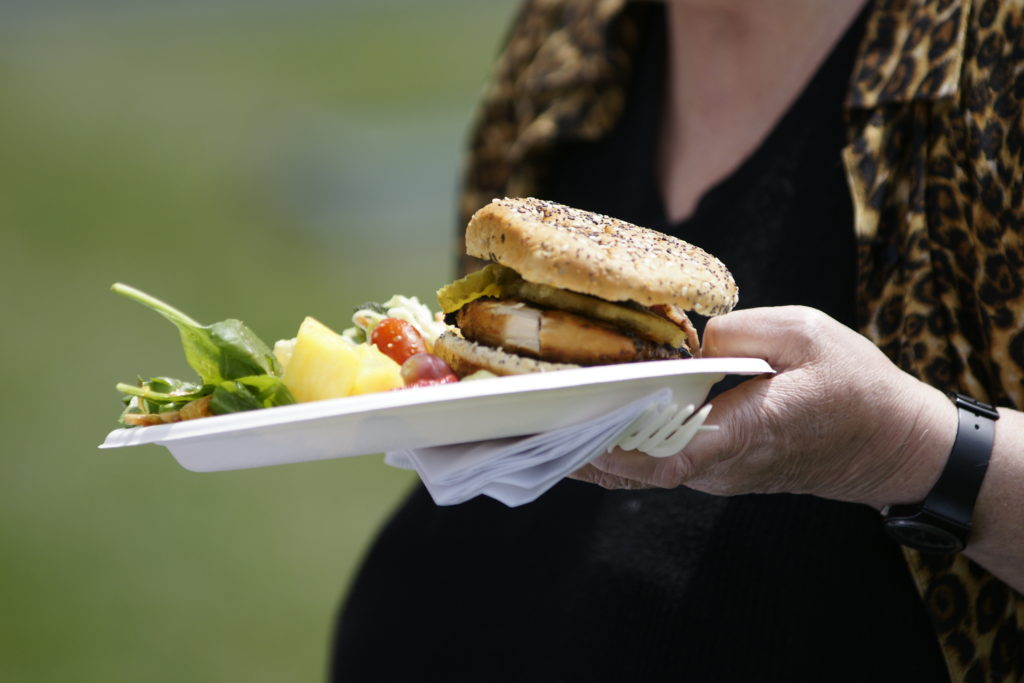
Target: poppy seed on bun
{"type": "Point", "coordinates": [598, 255]}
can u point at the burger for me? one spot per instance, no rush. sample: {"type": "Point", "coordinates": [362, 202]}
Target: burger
{"type": "Point", "coordinates": [568, 288]}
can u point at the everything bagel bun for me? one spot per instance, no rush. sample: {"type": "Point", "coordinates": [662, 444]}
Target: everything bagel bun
{"type": "Point", "coordinates": [568, 287]}
{"type": "Point", "coordinates": [598, 255]}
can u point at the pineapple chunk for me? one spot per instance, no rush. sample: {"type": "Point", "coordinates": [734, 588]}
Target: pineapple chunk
{"type": "Point", "coordinates": [376, 371]}
{"type": "Point", "coordinates": [324, 364]}
{"type": "Point", "coordinates": [283, 352]}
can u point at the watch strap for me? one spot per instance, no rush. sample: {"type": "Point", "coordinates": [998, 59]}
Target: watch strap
{"type": "Point", "coordinates": [942, 522]}
{"type": "Point", "coordinates": [956, 491]}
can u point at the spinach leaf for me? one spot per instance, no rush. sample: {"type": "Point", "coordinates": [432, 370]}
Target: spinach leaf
{"type": "Point", "coordinates": [237, 370]}
{"type": "Point", "coordinates": [221, 351]}
{"type": "Point", "coordinates": [159, 395]}
{"type": "Point", "coordinates": [231, 397]}
{"type": "Point", "coordinates": [165, 390]}
{"type": "Point", "coordinates": [249, 393]}
{"type": "Point", "coordinates": [269, 390]}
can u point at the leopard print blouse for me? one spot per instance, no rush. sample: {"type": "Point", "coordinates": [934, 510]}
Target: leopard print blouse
{"type": "Point", "coordinates": [935, 164]}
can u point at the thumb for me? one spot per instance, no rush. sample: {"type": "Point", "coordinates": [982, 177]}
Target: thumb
{"type": "Point", "coordinates": [739, 415]}
{"type": "Point", "coordinates": [736, 334]}
{"type": "Point", "coordinates": [782, 336]}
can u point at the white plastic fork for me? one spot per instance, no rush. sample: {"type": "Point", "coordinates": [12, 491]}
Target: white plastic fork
{"type": "Point", "coordinates": [664, 429]}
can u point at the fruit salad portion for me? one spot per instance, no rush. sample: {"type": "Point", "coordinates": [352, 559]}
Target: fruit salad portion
{"type": "Point", "coordinates": [384, 351]}
{"type": "Point", "coordinates": [388, 347]}
{"type": "Point", "coordinates": [320, 363]}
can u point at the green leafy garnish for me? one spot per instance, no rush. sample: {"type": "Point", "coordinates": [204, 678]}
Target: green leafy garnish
{"type": "Point", "coordinates": [238, 371]}
{"type": "Point", "coordinates": [224, 350]}
{"type": "Point", "coordinates": [163, 391]}
{"type": "Point", "coordinates": [249, 393]}
{"type": "Point", "coordinates": [159, 395]}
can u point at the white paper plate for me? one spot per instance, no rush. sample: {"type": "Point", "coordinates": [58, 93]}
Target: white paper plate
{"type": "Point", "coordinates": [427, 416]}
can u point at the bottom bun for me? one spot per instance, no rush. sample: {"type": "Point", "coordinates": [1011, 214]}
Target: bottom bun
{"type": "Point", "coordinates": [466, 357]}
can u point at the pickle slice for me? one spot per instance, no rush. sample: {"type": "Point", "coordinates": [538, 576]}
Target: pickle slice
{"type": "Point", "coordinates": [491, 281]}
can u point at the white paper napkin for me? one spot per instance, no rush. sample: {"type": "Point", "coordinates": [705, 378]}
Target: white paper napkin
{"type": "Point", "coordinates": [517, 470]}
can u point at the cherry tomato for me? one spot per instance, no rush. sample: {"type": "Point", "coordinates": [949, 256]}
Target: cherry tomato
{"type": "Point", "coordinates": [397, 339]}
{"type": "Point", "coordinates": [426, 369]}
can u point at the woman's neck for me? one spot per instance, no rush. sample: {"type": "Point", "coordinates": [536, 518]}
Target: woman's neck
{"type": "Point", "coordinates": [734, 68]}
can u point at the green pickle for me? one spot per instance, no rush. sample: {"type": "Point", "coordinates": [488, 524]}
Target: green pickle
{"type": "Point", "coordinates": [493, 281]}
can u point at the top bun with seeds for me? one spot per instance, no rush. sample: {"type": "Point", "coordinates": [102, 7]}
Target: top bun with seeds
{"type": "Point", "coordinates": [599, 255]}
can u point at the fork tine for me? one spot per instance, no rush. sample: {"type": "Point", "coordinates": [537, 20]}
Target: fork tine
{"type": "Point", "coordinates": [673, 423]}
{"type": "Point", "coordinates": [677, 441]}
{"type": "Point", "coordinates": [662, 430]}
{"type": "Point", "coordinates": [638, 431]}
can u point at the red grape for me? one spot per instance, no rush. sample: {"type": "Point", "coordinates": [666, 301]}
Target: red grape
{"type": "Point", "coordinates": [397, 339]}
{"type": "Point", "coordinates": [424, 369]}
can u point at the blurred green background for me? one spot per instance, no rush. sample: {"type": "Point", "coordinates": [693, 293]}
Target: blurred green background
{"type": "Point", "coordinates": [263, 160]}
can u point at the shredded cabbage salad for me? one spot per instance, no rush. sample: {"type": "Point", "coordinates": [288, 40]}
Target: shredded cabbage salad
{"type": "Point", "coordinates": [407, 308]}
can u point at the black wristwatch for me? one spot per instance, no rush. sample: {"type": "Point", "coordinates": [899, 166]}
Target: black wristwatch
{"type": "Point", "coordinates": [942, 522]}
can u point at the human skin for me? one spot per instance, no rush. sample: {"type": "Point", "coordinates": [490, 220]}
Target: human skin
{"type": "Point", "coordinates": [837, 420]}
{"type": "Point", "coordinates": [734, 68]}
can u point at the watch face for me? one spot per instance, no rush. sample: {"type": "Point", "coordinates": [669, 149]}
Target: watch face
{"type": "Point", "coordinates": [923, 536]}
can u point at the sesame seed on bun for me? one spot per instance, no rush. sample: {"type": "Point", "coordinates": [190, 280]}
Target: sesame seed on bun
{"type": "Point", "coordinates": [594, 254]}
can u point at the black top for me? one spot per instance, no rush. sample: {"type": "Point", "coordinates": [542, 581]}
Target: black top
{"type": "Point", "coordinates": [586, 584]}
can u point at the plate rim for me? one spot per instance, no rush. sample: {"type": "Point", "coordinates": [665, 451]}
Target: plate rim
{"type": "Point", "coordinates": [224, 425]}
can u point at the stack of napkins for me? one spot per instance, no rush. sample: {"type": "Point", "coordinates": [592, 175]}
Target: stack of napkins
{"type": "Point", "coordinates": [517, 470]}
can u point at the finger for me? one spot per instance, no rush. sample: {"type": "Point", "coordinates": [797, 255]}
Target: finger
{"type": "Point", "coordinates": [782, 336]}
{"type": "Point", "coordinates": [593, 475]}
{"type": "Point", "coordinates": [642, 469]}
{"type": "Point", "coordinates": [740, 415]}
{"type": "Point", "coordinates": [736, 334]}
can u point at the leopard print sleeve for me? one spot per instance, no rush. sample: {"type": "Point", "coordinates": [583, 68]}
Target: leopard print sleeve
{"type": "Point", "coordinates": [935, 167]}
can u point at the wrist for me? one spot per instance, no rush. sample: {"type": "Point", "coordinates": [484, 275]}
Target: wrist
{"type": "Point", "coordinates": [923, 450]}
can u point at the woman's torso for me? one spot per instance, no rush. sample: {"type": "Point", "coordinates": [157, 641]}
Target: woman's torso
{"type": "Point", "coordinates": [588, 584]}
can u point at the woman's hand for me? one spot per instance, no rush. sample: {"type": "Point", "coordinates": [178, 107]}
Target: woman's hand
{"type": "Point", "coordinates": [837, 420]}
